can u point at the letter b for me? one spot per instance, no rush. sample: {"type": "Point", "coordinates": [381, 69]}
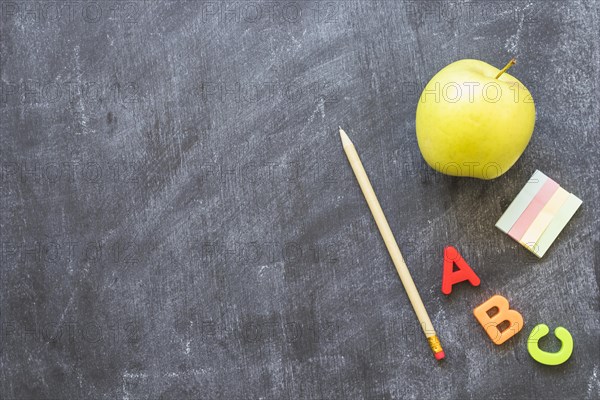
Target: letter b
{"type": "Point", "coordinates": [504, 314]}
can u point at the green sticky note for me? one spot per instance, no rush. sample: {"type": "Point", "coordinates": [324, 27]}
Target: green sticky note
{"type": "Point", "coordinates": [557, 224]}
{"type": "Point", "coordinates": [520, 203]}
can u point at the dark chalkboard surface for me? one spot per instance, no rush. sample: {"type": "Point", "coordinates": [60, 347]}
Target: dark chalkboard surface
{"type": "Point", "coordinates": [178, 219]}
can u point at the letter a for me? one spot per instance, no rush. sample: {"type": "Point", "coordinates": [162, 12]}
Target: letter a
{"type": "Point", "coordinates": [504, 314]}
{"type": "Point", "coordinates": [451, 277]}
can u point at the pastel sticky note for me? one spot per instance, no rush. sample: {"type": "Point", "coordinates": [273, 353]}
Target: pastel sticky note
{"type": "Point", "coordinates": [539, 213]}
{"type": "Point", "coordinates": [545, 216]}
{"type": "Point", "coordinates": [533, 209]}
{"type": "Point", "coordinates": [557, 224]}
{"type": "Point", "coordinates": [520, 203]}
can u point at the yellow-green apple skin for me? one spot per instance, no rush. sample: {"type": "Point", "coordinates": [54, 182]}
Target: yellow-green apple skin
{"type": "Point", "coordinates": [469, 123]}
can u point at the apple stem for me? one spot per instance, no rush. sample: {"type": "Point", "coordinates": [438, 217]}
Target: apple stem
{"type": "Point", "coordinates": [506, 67]}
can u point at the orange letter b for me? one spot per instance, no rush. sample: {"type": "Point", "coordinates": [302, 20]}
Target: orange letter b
{"type": "Point", "coordinates": [504, 314]}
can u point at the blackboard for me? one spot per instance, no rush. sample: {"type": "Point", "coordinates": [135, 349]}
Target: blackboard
{"type": "Point", "coordinates": [178, 218]}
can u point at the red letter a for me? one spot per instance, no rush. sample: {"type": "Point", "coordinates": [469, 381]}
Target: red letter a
{"type": "Point", "coordinates": [464, 273]}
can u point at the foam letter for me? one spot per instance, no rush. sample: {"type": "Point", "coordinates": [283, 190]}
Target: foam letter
{"type": "Point", "coordinates": [504, 314]}
{"type": "Point", "coordinates": [464, 273]}
{"type": "Point", "coordinates": [543, 357]}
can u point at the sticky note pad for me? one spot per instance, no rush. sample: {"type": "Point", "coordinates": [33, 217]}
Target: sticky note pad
{"type": "Point", "coordinates": [538, 214]}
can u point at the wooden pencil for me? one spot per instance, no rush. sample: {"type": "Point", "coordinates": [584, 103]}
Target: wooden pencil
{"type": "Point", "coordinates": [392, 246]}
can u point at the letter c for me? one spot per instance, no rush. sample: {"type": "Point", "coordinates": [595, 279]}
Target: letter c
{"type": "Point", "coordinates": [544, 357]}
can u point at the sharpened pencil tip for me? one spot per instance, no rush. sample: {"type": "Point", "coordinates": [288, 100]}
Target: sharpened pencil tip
{"type": "Point", "coordinates": [345, 139]}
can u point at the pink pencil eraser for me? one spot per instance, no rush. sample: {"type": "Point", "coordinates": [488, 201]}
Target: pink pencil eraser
{"type": "Point", "coordinates": [439, 355]}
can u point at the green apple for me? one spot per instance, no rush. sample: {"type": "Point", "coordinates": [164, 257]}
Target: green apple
{"type": "Point", "coordinates": [474, 120]}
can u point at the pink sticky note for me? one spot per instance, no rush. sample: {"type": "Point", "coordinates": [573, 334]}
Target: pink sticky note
{"type": "Point", "coordinates": [533, 209]}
